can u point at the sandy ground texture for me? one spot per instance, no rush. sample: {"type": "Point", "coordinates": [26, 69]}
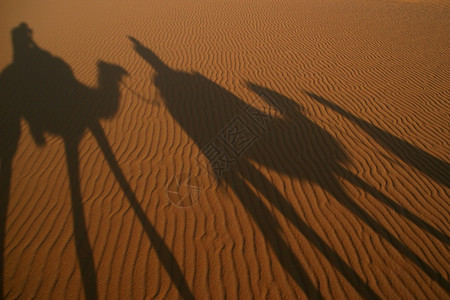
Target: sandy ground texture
{"type": "Point", "coordinates": [225, 149]}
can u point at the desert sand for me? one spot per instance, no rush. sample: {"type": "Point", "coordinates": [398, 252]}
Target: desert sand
{"type": "Point", "coordinates": [225, 149]}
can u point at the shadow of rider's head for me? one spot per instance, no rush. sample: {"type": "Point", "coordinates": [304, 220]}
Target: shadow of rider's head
{"type": "Point", "coordinates": [22, 41]}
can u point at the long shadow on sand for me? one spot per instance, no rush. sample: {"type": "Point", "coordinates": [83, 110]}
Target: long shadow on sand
{"type": "Point", "coordinates": [323, 164]}
{"type": "Point", "coordinates": [432, 166]}
{"type": "Point", "coordinates": [298, 148]}
{"type": "Point", "coordinates": [41, 89]}
{"type": "Point", "coordinates": [435, 168]}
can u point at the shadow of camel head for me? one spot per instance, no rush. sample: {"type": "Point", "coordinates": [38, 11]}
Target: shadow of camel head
{"type": "Point", "coordinates": [205, 111]}
{"type": "Point", "coordinates": [108, 93]}
{"type": "Point", "coordinates": [41, 89]}
{"type": "Point", "coordinates": [110, 72]}
{"type": "Point", "coordinates": [150, 56]}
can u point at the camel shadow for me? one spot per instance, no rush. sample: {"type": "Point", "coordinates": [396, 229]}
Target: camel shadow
{"type": "Point", "coordinates": [41, 89]}
{"type": "Point", "coordinates": [435, 168]}
{"type": "Point", "coordinates": [293, 145]}
{"type": "Point", "coordinates": [329, 161]}
{"type": "Point", "coordinates": [203, 108]}
{"type": "Point", "coordinates": [323, 164]}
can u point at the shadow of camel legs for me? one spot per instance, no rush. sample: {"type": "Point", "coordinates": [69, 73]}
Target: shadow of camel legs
{"type": "Point", "coordinates": [162, 250]}
{"type": "Point", "coordinates": [5, 186]}
{"type": "Point", "coordinates": [180, 92]}
{"type": "Point", "coordinates": [9, 140]}
{"type": "Point", "coordinates": [270, 192]}
{"type": "Point", "coordinates": [410, 154]}
{"type": "Point", "coordinates": [335, 189]}
{"type": "Point", "coordinates": [355, 180]}
{"type": "Point", "coordinates": [41, 89]}
{"type": "Point", "coordinates": [328, 180]}
{"type": "Point", "coordinates": [83, 248]}
{"type": "Point", "coordinates": [270, 229]}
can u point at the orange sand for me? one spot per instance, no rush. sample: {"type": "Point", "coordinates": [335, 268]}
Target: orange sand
{"type": "Point", "coordinates": [108, 187]}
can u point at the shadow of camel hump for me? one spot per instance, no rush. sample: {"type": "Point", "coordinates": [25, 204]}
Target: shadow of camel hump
{"type": "Point", "coordinates": [323, 163]}
{"type": "Point", "coordinates": [42, 89]}
{"type": "Point", "coordinates": [202, 109]}
{"type": "Point", "coordinates": [293, 145]}
{"type": "Point", "coordinates": [192, 99]}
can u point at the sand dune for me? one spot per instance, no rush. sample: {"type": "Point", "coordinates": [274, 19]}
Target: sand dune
{"type": "Point", "coordinates": [225, 149]}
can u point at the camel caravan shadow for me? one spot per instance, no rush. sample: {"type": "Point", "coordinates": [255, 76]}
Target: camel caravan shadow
{"type": "Point", "coordinates": [293, 145]}
{"type": "Point", "coordinates": [41, 89]}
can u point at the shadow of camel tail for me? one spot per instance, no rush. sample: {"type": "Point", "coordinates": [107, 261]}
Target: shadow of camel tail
{"type": "Point", "coordinates": [83, 248]}
{"type": "Point", "coordinates": [162, 250]}
{"type": "Point", "coordinates": [435, 168]}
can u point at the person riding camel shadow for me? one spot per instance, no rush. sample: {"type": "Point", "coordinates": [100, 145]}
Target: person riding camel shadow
{"type": "Point", "coordinates": [437, 169]}
{"type": "Point", "coordinates": [330, 160]}
{"type": "Point", "coordinates": [42, 90]}
{"type": "Point", "coordinates": [203, 109]}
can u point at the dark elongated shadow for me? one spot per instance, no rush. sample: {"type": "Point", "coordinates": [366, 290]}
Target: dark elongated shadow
{"type": "Point", "coordinates": [6, 159]}
{"type": "Point", "coordinates": [338, 192]}
{"type": "Point", "coordinates": [9, 139]}
{"type": "Point", "coordinates": [203, 108]}
{"type": "Point", "coordinates": [270, 229]}
{"type": "Point", "coordinates": [262, 184]}
{"type": "Point", "coordinates": [352, 178]}
{"type": "Point", "coordinates": [423, 161]}
{"type": "Point", "coordinates": [327, 170]}
{"type": "Point", "coordinates": [162, 250]}
{"type": "Point", "coordinates": [5, 184]}
{"type": "Point", "coordinates": [405, 151]}
{"type": "Point", "coordinates": [82, 245]}
{"type": "Point", "coordinates": [42, 90]}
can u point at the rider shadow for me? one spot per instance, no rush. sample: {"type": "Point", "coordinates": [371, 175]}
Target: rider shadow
{"type": "Point", "coordinates": [203, 109]}
{"type": "Point", "coordinates": [435, 168]}
{"type": "Point", "coordinates": [296, 146]}
{"type": "Point", "coordinates": [41, 89]}
{"type": "Point", "coordinates": [320, 158]}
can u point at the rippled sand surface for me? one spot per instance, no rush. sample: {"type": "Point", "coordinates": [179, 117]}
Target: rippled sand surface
{"type": "Point", "coordinates": [225, 149]}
